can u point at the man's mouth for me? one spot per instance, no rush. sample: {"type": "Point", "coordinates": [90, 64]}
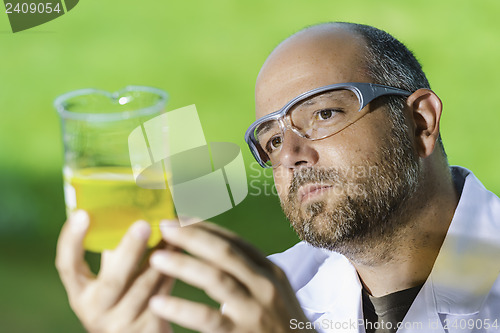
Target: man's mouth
{"type": "Point", "coordinates": [307, 192]}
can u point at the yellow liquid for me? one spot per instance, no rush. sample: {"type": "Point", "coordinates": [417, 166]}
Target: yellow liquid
{"type": "Point", "coordinates": [114, 201]}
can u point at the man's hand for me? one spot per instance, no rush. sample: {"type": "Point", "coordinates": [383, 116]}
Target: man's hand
{"type": "Point", "coordinates": [254, 293]}
{"type": "Point", "coordinates": [117, 299]}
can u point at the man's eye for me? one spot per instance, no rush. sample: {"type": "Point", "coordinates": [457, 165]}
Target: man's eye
{"type": "Point", "coordinates": [325, 114]}
{"type": "Point", "coordinates": [273, 143]}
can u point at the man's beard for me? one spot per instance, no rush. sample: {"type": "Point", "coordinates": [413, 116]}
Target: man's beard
{"type": "Point", "coordinates": [368, 202]}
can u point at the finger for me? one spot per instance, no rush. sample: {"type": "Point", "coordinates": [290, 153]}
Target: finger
{"type": "Point", "coordinates": [147, 322]}
{"type": "Point", "coordinates": [70, 260]}
{"type": "Point", "coordinates": [220, 252]}
{"type": "Point", "coordinates": [161, 246]}
{"type": "Point", "coordinates": [257, 256]}
{"type": "Point", "coordinates": [192, 315]}
{"type": "Point", "coordinates": [166, 286]}
{"type": "Point", "coordinates": [105, 258]}
{"type": "Point", "coordinates": [268, 267]}
{"type": "Point", "coordinates": [121, 264]}
{"type": "Point", "coordinates": [219, 285]}
{"type": "Point", "coordinates": [135, 300]}
{"type": "Point", "coordinates": [151, 323]}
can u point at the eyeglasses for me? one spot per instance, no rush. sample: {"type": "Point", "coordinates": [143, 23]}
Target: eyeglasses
{"type": "Point", "coordinates": [315, 114]}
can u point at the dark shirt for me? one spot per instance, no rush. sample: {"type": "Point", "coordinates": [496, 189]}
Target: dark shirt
{"type": "Point", "coordinates": [382, 314]}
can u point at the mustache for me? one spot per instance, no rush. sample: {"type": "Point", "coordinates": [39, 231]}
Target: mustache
{"type": "Point", "coordinates": [303, 176]}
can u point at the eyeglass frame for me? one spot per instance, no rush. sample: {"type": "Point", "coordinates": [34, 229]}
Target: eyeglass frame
{"type": "Point", "coordinates": [365, 92]}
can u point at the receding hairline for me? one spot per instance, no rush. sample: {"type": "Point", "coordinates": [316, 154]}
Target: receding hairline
{"type": "Point", "coordinates": [328, 29]}
{"type": "Point", "coordinates": [346, 26]}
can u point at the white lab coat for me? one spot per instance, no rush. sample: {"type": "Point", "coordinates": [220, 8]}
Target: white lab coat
{"type": "Point", "coordinates": [462, 293]}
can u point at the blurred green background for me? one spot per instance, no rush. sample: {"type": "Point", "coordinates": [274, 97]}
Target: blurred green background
{"type": "Point", "coordinates": [206, 53]}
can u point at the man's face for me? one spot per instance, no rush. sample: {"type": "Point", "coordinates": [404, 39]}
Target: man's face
{"type": "Point", "coordinates": [340, 191]}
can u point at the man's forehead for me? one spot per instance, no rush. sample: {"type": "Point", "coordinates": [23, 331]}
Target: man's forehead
{"type": "Point", "coordinates": [314, 57]}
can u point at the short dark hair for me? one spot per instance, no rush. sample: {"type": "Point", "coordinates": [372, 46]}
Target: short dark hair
{"type": "Point", "coordinates": [390, 62]}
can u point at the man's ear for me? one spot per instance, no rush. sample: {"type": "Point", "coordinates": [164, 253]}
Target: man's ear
{"type": "Point", "coordinates": [426, 110]}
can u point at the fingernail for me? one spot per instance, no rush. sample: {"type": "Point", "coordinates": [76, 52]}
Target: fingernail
{"type": "Point", "coordinates": [169, 227]}
{"type": "Point", "coordinates": [141, 229]}
{"type": "Point", "coordinates": [159, 258]}
{"type": "Point", "coordinates": [79, 221]}
{"type": "Point", "coordinates": [169, 224]}
{"type": "Point", "coordinates": [158, 303]}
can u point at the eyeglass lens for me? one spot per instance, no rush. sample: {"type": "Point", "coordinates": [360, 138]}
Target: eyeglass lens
{"type": "Point", "coordinates": [313, 118]}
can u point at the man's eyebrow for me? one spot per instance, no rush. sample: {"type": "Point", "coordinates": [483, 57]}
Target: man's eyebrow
{"type": "Point", "coordinates": [312, 100]}
{"type": "Point", "coordinates": [265, 127]}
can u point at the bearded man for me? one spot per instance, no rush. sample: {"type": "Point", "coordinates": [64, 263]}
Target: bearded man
{"type": "Point", "coordinates": [393, 238]}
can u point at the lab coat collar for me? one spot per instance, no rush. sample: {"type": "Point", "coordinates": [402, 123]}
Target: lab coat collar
{"type": "Point", "coordinates": [335, 276]}
{"type": "Point", "coordinates": [333, 295]}
{"type": "Point", "coordinates": [468, 263]}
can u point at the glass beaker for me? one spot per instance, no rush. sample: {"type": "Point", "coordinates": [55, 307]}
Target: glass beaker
{"type": "Point", "coordinates": [98, 175]}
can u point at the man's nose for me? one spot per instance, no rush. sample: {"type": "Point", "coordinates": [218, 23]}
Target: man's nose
{"type": "Point", "coordinates": [297, 151]}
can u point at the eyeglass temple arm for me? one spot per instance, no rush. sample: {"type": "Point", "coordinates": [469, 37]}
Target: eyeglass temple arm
{"type": "Point", "coordinates": [371, 91]}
